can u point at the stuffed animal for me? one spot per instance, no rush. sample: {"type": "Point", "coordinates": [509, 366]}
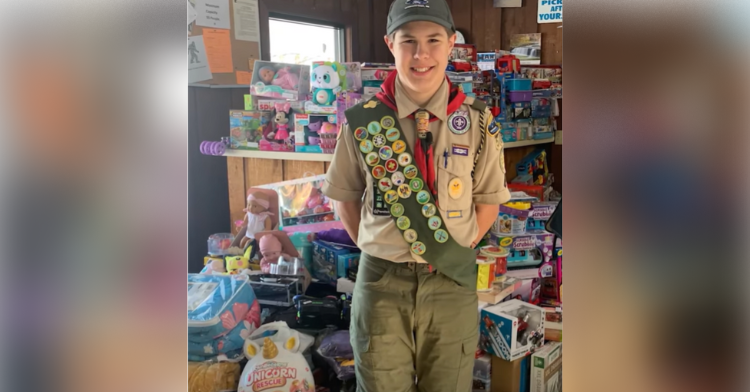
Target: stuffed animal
{"type": "Point", "coordinates": [328, 128]}
{"type": "Point", "coordinates": [286, 79]}
{"type": "Point", "coordinates": [326, 82]}
{"type": "Point", "coordinates": [257, 217]}
{"type": "Point", "coordinates": [270, 248]}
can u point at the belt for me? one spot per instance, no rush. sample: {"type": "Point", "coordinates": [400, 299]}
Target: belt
{"type": "Point", "coordinates": [414, 266]}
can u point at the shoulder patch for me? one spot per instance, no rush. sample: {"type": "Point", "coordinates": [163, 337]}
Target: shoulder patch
{"type": "Point", "coordinates": [493, 129]}
{"type": "Point", "coordinates": [479, 105]}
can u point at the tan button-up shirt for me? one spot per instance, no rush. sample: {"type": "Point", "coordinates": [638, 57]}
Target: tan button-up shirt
{"type": "Point", "coordinates": [349, 178]}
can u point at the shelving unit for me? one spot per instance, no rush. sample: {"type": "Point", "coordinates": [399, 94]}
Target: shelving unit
{"type": "Point", "coordinates": [524, 143]}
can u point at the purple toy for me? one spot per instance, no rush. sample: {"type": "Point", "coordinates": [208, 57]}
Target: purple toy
{"type": "Point", "coordinates": [212, 148]}
{"type": "Point", "coordinates": [336, 236]}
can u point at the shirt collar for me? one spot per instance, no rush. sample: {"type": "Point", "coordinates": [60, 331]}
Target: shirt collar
{"type": "Point", "coordinates": [436, 105]}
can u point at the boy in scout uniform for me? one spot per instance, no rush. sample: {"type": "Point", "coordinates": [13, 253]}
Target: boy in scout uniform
{"type": "Point", "coordinates": [417, 177]}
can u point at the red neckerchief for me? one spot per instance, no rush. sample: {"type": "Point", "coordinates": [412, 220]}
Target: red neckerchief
{"type": "Point", "coordinates": [423, 157]}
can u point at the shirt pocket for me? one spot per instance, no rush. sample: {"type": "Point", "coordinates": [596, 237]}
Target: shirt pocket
{"type": "Point", "coordinates": [455, 186]}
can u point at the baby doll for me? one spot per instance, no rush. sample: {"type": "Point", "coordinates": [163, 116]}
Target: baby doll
{"type": "Point", "coordinates": [266, 74]}
{"type": "Point", "coordinates": [257, 217]}
{"type": "Point", "coordinates": [270, 248]}
{"type": "Point", "coordinates": [286, 79]}
{"type": "Point", "coordinates": [282, 122]}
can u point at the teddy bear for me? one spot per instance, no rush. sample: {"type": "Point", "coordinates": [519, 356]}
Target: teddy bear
{"type": "Point", "coordinates": [257, 217]}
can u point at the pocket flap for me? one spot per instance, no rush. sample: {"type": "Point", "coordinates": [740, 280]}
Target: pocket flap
{"type": "Point", "coordinates": [362, 343]}
{"type": "Point", "coordinates": [470, 345]}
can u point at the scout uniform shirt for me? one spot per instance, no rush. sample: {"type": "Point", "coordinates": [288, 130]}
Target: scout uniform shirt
{"type": "Point", "coordinates": [349, 177]}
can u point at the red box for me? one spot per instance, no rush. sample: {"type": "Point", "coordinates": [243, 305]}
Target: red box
{"type": "Point", "coordinates": [531, 190]}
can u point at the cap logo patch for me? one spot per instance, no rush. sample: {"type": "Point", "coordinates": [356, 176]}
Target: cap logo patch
{"type": "Point", "coordinates": [417, 3]}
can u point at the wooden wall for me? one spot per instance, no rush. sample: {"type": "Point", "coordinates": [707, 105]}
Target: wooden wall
{"type": "Point", "coordinates": [364, 21]}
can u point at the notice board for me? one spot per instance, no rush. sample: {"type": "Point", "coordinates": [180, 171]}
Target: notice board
{"type": "Point", "coordinates": [226, 34]}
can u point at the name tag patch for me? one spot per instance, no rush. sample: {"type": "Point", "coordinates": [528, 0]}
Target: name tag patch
{"type": "Point", "coordinates": [460, 149]}
{"type": "Point", "coordinates": [455, 214]}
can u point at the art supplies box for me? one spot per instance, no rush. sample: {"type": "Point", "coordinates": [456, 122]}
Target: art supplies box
{"type": "Point", "coordinates": [546, 369]}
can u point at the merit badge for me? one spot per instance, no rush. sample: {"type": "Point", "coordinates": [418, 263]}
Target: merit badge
{"type": "Point", "coordinates": [397, 210]}
{"type": "Point", "coordinates": [391, 197]}
{"type": "Point", "coordinates": [441, 236]}
{"type": "Point", "coordinates": [372, 158]}
{"type": "Point", "coordinates": [398, 178]}
{"type": "Point", "coordinates": [423, 197]}
{"type": "Point", "coordinates": [455, 188]}
{"type": "Point", "coordinates": [360, 133]}
{"type": "Point", "coordinates": [404, 159]}
{"type": "Point", "coordinates": [434, 222]}
{"type": "Point", "coordinates": [416, 185]}
{"type": "Point", "coordinates": [392, 134]}
{"type": "Point", "coordinates": [391, 165]}
{"type": "Point", "coordinates": [399, 146]}
{"type": "Point", "coordinates": [387, 122]}
{"type": "Point", "coordinates": [428, 209]}
{"type": "Point", "coordinates": [460, 149]}
{"type": "Point", "coordinates": [378, 140]}
{"type": "Point", "coordinates": [418, 248]}
{"type": "Point", "coordinates": [378, 171]}
{"type": "Point", "coordinates": [458, 122]}
{"type": "Point", "coordinates": [410, 235]}
{"type": "Point", "coordinates": [403, 222]}
{"type": "Point", "coordinates": [370, 104]}
{"type": "Point", "coordinates": [410, 171]}
{"type": "Point", "coordinates": [385, 184]}
{"type": "Point", "coordinates": [374, 128]}
{"type": "Point", "coordinates": [404, 191]}
{"type": "Point", "coordinates": [385, 153]}
{"type": "Point", "coordinates": [365, 146]}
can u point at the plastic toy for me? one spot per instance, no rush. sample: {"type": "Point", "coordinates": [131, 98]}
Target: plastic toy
{"type": "Point", "coordinates": [275, 363]}
{"type": "Point", "coordinates": [257, 217]}
{"type": "Point", "coordinates": [219, 244]}
{"type": "Point", "coordinates": [270, 248]}
{"type": "Point", "coordinates": [327, 80]}
{"type": "Point", "coordinates": [213, 148]}
{"type": "Point", "coordinates": [281, 120]}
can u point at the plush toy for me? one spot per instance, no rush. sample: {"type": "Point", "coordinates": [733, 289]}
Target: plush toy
{"type": "Point", "coordinates": [257, 217]}
{"type": "Point", "coordinates": [286, 79]}
{"type": "Point", "coordinates": [326, 82]}
{"type": "Point", "coordinates": [266, 74]}
{"type": "Point", "coordinates": [270, 248]}
{"type": "Point", "coordinates": [328, 128]}
{"type": "Point", "coordinates": [282, 122]}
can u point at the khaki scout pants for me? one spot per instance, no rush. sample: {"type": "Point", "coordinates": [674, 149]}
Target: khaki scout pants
{"type": "Point", "coordinates": [409, 323]}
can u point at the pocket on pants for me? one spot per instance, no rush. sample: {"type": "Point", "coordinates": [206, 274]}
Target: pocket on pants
{"type": "Point", "coordinates": [373, 274]}
{"type": "Point", "coordinates": [466, 364]}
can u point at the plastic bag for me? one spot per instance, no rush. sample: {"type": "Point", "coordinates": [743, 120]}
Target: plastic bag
{"type": "Point", "coordinates": [336, 349]}
{"type": "Point", "coordinates": [213, 376]}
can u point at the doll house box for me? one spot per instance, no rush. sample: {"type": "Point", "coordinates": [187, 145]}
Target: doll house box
{"type": "Point", "coordinates": [303, 207]}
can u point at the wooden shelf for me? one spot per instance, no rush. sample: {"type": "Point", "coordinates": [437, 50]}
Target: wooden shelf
{"type": "Point", "coordinates": [524, 143]}
{"type": "Point", "coordinates": [284, 156]}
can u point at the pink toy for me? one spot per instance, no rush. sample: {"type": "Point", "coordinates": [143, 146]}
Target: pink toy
{"type": "Point", "coordinates": [270, 248]}
{"type": "Point", "coordinates": [327, 128]}
{"type": "Point", "coordinates": [286, 79]}
{"type": "Point", "coordinates": [281, 120]}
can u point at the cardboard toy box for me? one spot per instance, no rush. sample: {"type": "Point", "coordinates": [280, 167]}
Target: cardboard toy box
{"type": "Point", "coordinates": [315, 133]}
{"type": "Point", "coordinates": [279, 80]}
{"type": "Point", "coordinates": [482, 373]}
{"type": "Point", "coordinates": [530, 254]}
{"type": "Point", "coordinates": [246, 128]}
{"type": "Point", "coordinates": [546, 368]}
{"type": "Point", "coordinates": [510, 330]}
{"type": "Point", "coordinates": [325, 260]}
{"type": "Point", "coordinates": [510, 376]}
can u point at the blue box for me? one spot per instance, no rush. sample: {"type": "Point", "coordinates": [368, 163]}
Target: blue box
{"type": "Point", "coordinates": [518, 84]}
{"type": "Point", "coordinates": [344, 262]}
{"type": "Point", "coordinates": [504, 334]}
{"type": "Point", "coordinates": [541, 107]}
{"type": "Point", "coordinates": [546, 93]}
{"type": "Point", "coordinates": [325, 261]}
{"type": "Point", "coordinates": [520, 110]}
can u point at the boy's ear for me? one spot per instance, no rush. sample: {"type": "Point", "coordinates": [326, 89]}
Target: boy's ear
{"type": "Point", "coordinates": [389, 43]}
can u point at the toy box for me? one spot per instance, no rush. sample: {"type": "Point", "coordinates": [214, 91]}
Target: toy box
{"type": "Point", "coordinates": [466, 52]}
{"type": "Point", "coordinates": [542, 128]}
{"type": "Point", "coordinates": [343, 262]}
{"type": "Point", "coordinates": [546, 368]}
{"type": "Point", "coordinates": [510, 221]}
{"type": "Point", "coordinates": [327, 80]}
{"type": "Point", "coordinates": [353, 77]}
{"type": "Point", "coordinates": [375, 71]}
{"type": "Point", "coordinates": [529, 291]}
{"type": "Point", "coordinates": [511, 330]}
{"type": "Point", "coordinates": [302, 205]}
{"type": "Point", "coordinates": [519, 110]}
{"type": "Point", "coordinates": [551, 73]}
{"type": "Point", "coordinates": [315, 133]}
{"type": "Point", "coordinates": [482, 373]}
{"type": "Point", "coordinates": [269, 105]}
{"type": "Point", "coordinates": [534, 164]}
{"type": "Point", "coordinates": [279, 80]}
{"type": "Point", "coordinates": [344, 102]}
{"type": "Point", "coordinates": [510, 376]}
{"type": "Point", "coordinates": [531, 252]}
{"type": "Point", "coordinates": [541, 107]}
{"type": "Point", "coordinates": [312, 108]}
{"type": "Point", "coordinates": [247, 128]}
{"type": "Point", "coordinates": [325, 260]}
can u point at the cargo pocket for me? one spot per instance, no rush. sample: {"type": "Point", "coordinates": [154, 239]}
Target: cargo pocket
{"type": "Point", "coordinates": [454, 188]}
{"type": "Point", "coordinates": [466, 364]}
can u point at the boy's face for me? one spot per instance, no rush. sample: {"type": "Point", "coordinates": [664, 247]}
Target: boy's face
{"type": "Point", "coordinates": [421, 50]}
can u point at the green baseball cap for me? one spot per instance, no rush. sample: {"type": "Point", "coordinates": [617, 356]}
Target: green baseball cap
{"type": "Point", "coordinates": [405, 11]}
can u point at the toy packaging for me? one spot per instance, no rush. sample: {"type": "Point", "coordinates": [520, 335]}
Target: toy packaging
{"type": "Point", "coordinates": [546, 368]}
{"type": "Point", "coordinates": [535, 165]}
{"type": "Point", "coordinates": [375, 72]}
{"type": "Point", "coordinates": [482, 373]}
{"type": "Point", "coordinates": [344, 102]}
{"type": "Point", "coordinates": [541, 107]}
{"type": "Point", "coordinates": [510, 376]}
{"type": "Point", "coordinates": [281, 138]}
{"type": "Point", "coordinates": [213, 376]}
{"type": "Point", "coordinates": [269, 105]}
{"type": "Point", "coordinates": [529, 291]}
{"type": "Point", "coordinates": [511, 221]}
{"type": "Point", "coordinates": [511, 330]}
{"type": "Point", "coordinates": [247, 128]}
{"type": "Point", "coordinates": [315, 133]}
{"type": "Point", "coordinates": [279, 80]}
{"type": "Point", "coordinates": [353, 77]}
{"type": "Point", "coordinates": [326, 260]}
{"type": "Point", "coordinates": [327, 80]}
{"type": "Point", "coordinates": [550, 73]}
{"type": "Point", "coordinates": [465, 52]}
{"type": "Point", "coordinates": [302, 205]}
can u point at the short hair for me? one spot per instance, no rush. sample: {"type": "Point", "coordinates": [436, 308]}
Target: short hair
{"type": "Point", "coordinates": [392, 35]}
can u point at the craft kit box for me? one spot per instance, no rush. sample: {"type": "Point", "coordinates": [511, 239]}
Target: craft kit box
{"type": "Point", "coordinates": [246, 128]}
{"type": "Point", "coordinates": [511, 330]}
{"type": "Point", "coordinates": [279, 80]}
{"type": "Point", "coordinates": [546, 368]}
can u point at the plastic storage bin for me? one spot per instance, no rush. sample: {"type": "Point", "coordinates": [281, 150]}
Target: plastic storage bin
{"type": "Point", "coordinates": [518, 84]}
{"type": "Point", "coordinates": [218, 244]}
{"type": "Point", "coordinates": [520, 96]}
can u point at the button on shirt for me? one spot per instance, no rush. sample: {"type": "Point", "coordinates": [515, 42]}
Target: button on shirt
{"type": "Point", "coordinates": [349, 178]}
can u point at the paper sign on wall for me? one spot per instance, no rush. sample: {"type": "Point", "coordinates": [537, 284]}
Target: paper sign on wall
{"type": "Point", "coordinates": [244, 77]}
{"type": "Point", "coordinates": [191, 13]}
{"type": "Point", "coordinates": [213, 13]}
{"type": "Point", "coordinates": [219, 50]}
{"type": "Point", "coordinates": [550, 11]}
{"type": "Point", "coordinates": [198, 70]}
{"type": "Point", "coordinates": [246, 21]}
